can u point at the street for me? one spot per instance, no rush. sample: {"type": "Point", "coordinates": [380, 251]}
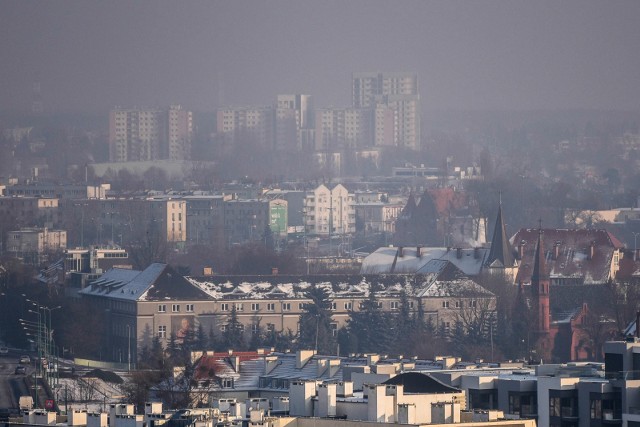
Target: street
{"type": "Point", "coordinates": [12, 386]}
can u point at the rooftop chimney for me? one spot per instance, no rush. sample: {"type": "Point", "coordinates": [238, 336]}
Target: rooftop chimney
{"type": "Point", "coordinates": [400, 251]}
{"type": "Point", "coordinates": [419, 251]}
{"type": "Point", "coordinates": [458, 253]}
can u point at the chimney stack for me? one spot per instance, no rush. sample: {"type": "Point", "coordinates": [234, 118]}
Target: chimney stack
{"type": "Point", "coordinates": [521, 249]}
{"type": "Point", "coordinates": [400, 251]}
{"type": "Point", "coordinates": [458, 253]}
{"type": "Point", "coordinates": [419, 251]}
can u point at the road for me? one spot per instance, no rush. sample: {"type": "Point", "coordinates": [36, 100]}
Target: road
{"type": "Point", "coordinates": [12, 386]}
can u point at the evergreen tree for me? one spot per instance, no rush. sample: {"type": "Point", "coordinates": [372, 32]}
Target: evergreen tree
{"type": "Point", "coordinates": [201, 338]}
{"type": "Point", "coordinates": [233, 335]}
{"type": "Point", "coordinates": [371, 327]}
{"type": "Point", "coordinates": [315, 322]}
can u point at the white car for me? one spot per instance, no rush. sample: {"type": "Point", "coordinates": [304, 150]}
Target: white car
{"type": "Point", "coordinates": [25, 360]}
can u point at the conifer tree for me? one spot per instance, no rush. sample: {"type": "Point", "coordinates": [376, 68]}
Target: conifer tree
{"type": "Point", "coordinates": [315, 322]}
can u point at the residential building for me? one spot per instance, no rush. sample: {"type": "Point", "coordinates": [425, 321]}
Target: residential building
{"type": "Point", "coordinates": [295, 122]}
{"type": "Point", "coordinates": [33, 244]}
{"type": "Point", "coordinates": [329, 212]}
{"type": "Point", "coordinates": [205, 219]}
{"type": "Point", "coordinates": [394, 100]}
{"type": "Point", "coordinates": [179, 133]}
{"type": "Point", "coordinates": [245, 125]}
{"type": "Point", "coordinates": [140, 134]}
{"type": "Point", "coordinates": [343, 128]}
{"type": "Point", "coordinates": [30, 211]}
{"type": "Point", "coordinates": [57, 191]}
{"type": "Point", "coordinates": [135, 134]}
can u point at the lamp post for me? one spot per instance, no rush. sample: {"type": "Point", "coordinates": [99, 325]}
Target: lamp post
{"type": "Point", "coordinates": [635, 245]}
{"type": "Point", "coordinates": [129, 348]}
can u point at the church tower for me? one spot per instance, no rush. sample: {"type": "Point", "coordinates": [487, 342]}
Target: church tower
{"type": "Point", "coordinates": [540, 284]}
{"type": "Point", "coordinates": [501, 257]}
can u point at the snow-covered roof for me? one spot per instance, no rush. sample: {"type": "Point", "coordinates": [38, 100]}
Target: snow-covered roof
{"type": "Point", "coordinates": [120, 283]}
{"type": "Point", "coordinates": [393, 259]}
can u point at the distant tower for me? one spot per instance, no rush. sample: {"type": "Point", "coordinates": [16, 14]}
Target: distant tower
{"type": "Point", "coordinates": [540, 284]}
{"type": "Point", "coordinates": [501, 257]}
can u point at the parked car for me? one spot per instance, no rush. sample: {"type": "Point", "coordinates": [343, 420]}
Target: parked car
{"type": "Point", "coordinates": [25, 360]}
{"type": "Point", "coordinates": [20, 370]}
{"type": "Point", "coordinates": [4, 350]}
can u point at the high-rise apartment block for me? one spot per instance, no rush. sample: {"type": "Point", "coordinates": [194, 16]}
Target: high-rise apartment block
{"type": "Point", "coordinates": [343, 128]}
{"type": "Point", "coordinates": [150, 134]}
{"type": "Point", "coordinates": [179, 133]}
{"type": "Point", "coordinates": [395, 101]}
{"type": "Point", "coordinates": [240, 125]}
{"type": "Point", "coordinates": [295, 122]}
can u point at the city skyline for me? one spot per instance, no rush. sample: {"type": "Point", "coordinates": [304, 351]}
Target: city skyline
{"type": "Point", "coordinates": [489, 55]}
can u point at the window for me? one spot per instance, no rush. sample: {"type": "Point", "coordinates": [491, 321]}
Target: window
{"type": "Point", "coordinates": [348, 306]}
{"type": "Point", "coordinates": [333, 306]}
{"type": "Point", "coordinates": [286, 306]}
{"type": "Point", "coordinates": [162, 308]}
{"type": "Point", "coordinates": [445, 304]}
{"type": "Point", "coordinates": [224, 307]}
{"type": "Point", "coordinates": [175, 308]}
{"type": "Point", "coordinates": [162, 331]}
{"type": "Point", "coordinates": [190, 308]}
{"type": "Point", "coordinates": [596, 409]}
{"type": "Point", "coordinates": [554, 406]}
{"type": "Point", "coordinates": [334, 329]}
{"type": "Point", "coordinates": [223, 328]}
{"type": "Point", "coordinates": [457, 304]}
{"type": "Point", "coordinates": [271, 306]}
{"type": "Point", "coordinates": [255, 306]}
{"type": "Point", "coordinates": [239, 306]}
{"type": "Point", "coordinates": [411, 305]}
{"type": "Point", "coordinates": [227, 383]}
{"type": "Point", "coordinates": [301, 306]}
{"type": "Point", "coordinates": [394, 305]}
{"type": "Point", "coordinates": [255, 328]}
{"type": "Point", "coordinates": [473, 303]}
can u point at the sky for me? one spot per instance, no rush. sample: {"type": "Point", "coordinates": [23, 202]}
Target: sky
{"type": "Point", "coordinates": [90, 56]}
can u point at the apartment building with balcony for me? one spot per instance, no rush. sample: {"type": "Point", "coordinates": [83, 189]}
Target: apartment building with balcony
{"type": "Point", "coordinates": [329, 212]}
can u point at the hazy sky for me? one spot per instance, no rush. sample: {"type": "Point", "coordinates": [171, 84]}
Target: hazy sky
{"type": "Point", "coordinates": [93, 55]}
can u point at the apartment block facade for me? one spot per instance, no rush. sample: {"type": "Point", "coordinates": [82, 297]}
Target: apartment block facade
{"type": "Point", "coordinates": [150, 134]}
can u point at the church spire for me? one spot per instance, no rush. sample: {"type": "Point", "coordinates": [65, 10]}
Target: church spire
{"type": "Point", "coordinates": [500, 254]}
{"type": "Point", "coordinates": [539, 261]}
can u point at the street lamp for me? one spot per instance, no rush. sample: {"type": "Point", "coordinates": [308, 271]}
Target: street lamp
{"type": "Point", "coordinates": [635, 245]}
{"type": "Point", "coordinates": [129, 347]}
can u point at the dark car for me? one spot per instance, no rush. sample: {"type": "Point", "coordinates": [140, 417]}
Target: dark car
{"type": "Point", "coordinates": [20, 370]}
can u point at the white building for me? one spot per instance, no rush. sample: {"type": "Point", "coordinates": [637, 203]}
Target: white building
{"type": "Point", "coordinates": [329, 212]}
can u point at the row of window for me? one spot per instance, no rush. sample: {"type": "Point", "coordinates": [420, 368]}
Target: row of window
{"type": "Point", "coordinates": [460, 304]}
{"type": "Point", "coordinates": [255, 328]}
{"type": "Point", "coordinates": [286, 306]}
{"type": "Point", "coordinates": [175, 308]}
